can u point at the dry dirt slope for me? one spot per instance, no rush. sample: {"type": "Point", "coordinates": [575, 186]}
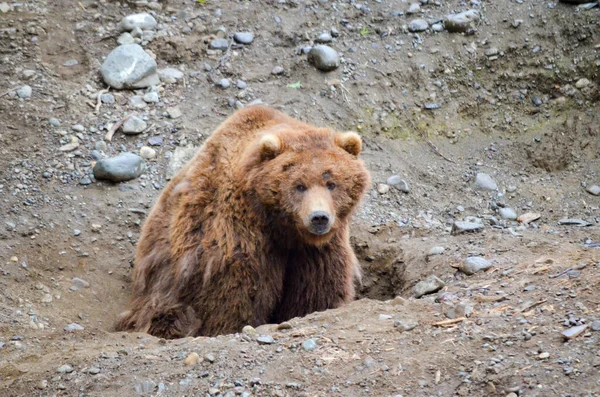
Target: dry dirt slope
{"type": "Point", "coordinates": [514, 103]}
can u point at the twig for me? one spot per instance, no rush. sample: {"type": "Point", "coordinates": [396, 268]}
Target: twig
{"type": "Point", "coordinates": [115, 127]}
{"type": "Point", "coordinates": [531, 306]}
{"type": "Point", "coordinates": [99, 100]}
{"type": "Point", "coordinates": [431, 145]}
{"type": "Point", "coordinates": [443, 323]}
{"type": "Point", "coordinates": [82, 7]}
{"type": "Point", "coordinates": [561, 273]}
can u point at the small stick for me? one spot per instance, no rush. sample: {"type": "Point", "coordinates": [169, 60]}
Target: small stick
{"type": "Point", "coordinates": [99, 101]}
{"type": "Point", "coordinates": [115, 127]}
{"type": "Point", "coordinates": [449, 322]}
{"type": "Point", "coordinates": [561, 273]}
{"type": "Point", "coordinates": [433, 147]}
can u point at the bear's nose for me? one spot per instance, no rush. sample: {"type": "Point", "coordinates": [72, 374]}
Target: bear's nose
{"type": "Point", "coordinates": [319, 219]}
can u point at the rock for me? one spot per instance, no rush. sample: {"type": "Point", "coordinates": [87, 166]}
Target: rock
{"type": "Point", "coordinates": [25, 92]}
{"type": "Point", "coordinates": [133, 125]}
{"type": "Point", "coordinates": [155, 140]}
{"type": "Point", "coordinates": [151, 97]}
{"type": "Point", "coordinates": [129, 66]}
{"type": "Point", "coordinates": [174, 113]}
{"type": "Point", "coordinates": [243, 37]}
{"type": "Point", "coordinates": [474, 264]}
{"type": "Point", "coordinates": [462, 22]}
{"type": "Point", "coordinates": [485, 182]}
{"type": "Point", "coordinates": [437, 27]}
{"type": "Point", "coordinates": [384, 317]}
{"type": "Point", "coordinates": [508, 213]}
{"type": "Point", "coordinates": [224, 83]}
{"type": "Point", "coordinates": [595, 325]}
{"type": "Point", "coordinates": [574, 332]}
{"type": "Point", "coordinates": [593, 189]}
{"type": "Point", "coordinates": [382, 188]}
{"type": "Point", "coordinates": [123, 167]}
{"type": "Point", "coordinates": [219, 44]}
{"type": "Point", "coordinates": [436, 251]}
{"type": "Point", "coordinates": [573, 222]}
{"type": "Point", "coordinates": [418, 25]}
{"type": "Point", "coordinates": [137, 102]}
{"type": "Point", "coordinates": [277, 70]}
{"type": "Point", "coordinates": [77, 283]}
{"type": "Point", "coordinates": [394, 180]}
{"type": "Point", "coordinates": [145, 387]}
{"type": "Point", "coordinates": [324, 38]}
{"type": "Point", "coordinates": [265, 340]}
{"type": "Point", "coordinates": [459, 310]}
{"type": "Point", "coordinates": [107, 99]}
{"type": "Point", "coordinates": [241, 84]}
{"type": "Point", "coordinates": [170, 75]}
{"type": "Point", "coordinates": [42, 384]}
{"type": "Point", "coordinates": [147, 153]}
{"type": "Point", "coordinates": [323, 58]}
{"type": "Point", "coordinates": [210, 358]}
{"type": "Point", "coordinates": [73, 327]}
{"type": "Point", "coordinates": [192, 359]}
{"type": "Point", "coordinates": [405, 325]}
{"type": "Point", "coordinates": [5, 7]}
{"type": "Point", "coordinates": [544, 355]}
{"type": "Point", "coordinates": [54, 122]}
{"type": "Point", "coordinates": [413, 8]}
{"type": "Point", "coordinates": [143, 21]}
{"type": "Point", "coordinates": [64, 369]}
{"type": "Point", "coordinates": [283, 326]}
{"type": "Point", "coordinates": [428, 286]}
{"type": "Point", "coordinates": [529, 217]}
{"type": "Point", "coordinates": [180, 157]}
{"type": "Point", "coordinates": [402, 186]}
{"type": "Point", "coordinates": [309, 345]}
{"type": "Point", "coordinates": [249, 330]}
{"type": "Point", "coordinates": [464, 227]}
{"type": "Point", "coordinates": [581, 83]}
{"type": "Point", "coordinates": [126, 38]}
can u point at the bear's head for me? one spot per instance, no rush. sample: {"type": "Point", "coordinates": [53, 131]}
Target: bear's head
{"type": "Point", "coordinates": [307, 179]}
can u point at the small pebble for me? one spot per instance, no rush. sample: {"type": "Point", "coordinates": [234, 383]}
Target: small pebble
{"type": "Point", "coordinates": [192, 359]}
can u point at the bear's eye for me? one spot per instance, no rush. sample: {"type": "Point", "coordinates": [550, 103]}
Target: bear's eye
{"type": "Point", "coordinates": [301, 188]}
{"type": "Point", "coordinates": [330, 185]}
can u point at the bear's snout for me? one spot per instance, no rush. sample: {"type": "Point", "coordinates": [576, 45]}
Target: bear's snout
{"type": "Point", "coordinates": [320, 223]}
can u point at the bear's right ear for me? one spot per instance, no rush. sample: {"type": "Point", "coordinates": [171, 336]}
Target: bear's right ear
{"type": "Point", "coordinates": [270, 147]}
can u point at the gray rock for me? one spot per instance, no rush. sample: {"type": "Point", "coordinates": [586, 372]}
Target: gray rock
{"type": "Point", "coordinates": [210, 358]}
{"type": "Point", "coordinates": [593, 189]}
{"type": "Point", "coordinates": [241, 84]}
{"type": "Point", "coordinates": [64, 369]}
{"type": "Point", "coordinates": [123, 167]}
{"type": "Point", "coordinates": [459, 310]}
{"type": "Point", "coordinates": [137, 32]}
{"type": "Point", "coordinates": [474, 264]}
{"type": "Point", "coordinates": [142, 20]}
{"type": "Point", "coordinates": [437, 27]}
{"type": "Point", "coordinates": [436, 251]}
{"type": "Point", "coordinates": [324, 58]}
{"type": "Point", "coordinates": [402, 186]}
{"type": "Point", "coordinates": [573, 222]}
{"type": "Point", "coordinates": [309, 345]}
{"type": "Point", "coordinates": [508, 213]}
{"type": "Point", "coordinates": [94, 371]}
{"type": "Point", "coordinates": [485, 182]}
{"type": "Point", "coordinates": [129, 66]}
{"type": "Point", "coordinates": [394, 180]}
{"type": "Point", "coordinates": [151, 97]}
{"type": "Point", "coordinates": [462, 22]}
{"type": "Point", "coordinates": [265, 340]}
{"type": "Point", "coordinates": [418, 25]}
{"type": "Point", "coordinates": [405, 325]}
{"type": "Point", "coordinates": [278, 70]}
{"type": "Point", "coordinates": [107, 98]}
{"type": "Point", "coordinates": [595, 325]}
{"type": "Point", "coordinates": [464, 227]}
{"type": "Point", "coordinates": [174, 112]}
{"type": "Point", "coordinates": [413, 9]}
{"type": "Point", "coordinates": [5, 7]}
{"type": "Point", "coordinates": [170, 75]}
{"type": "Point", "coordinates": [137, 102]}
{"type": "Point", "coordinates": [243, 37]}
{"type": "Point", "coordinates": [134, 125]}
{"type": "Point", "coordinates": [54, 122]}
{"type": "Point", "coordinates": [126, 38]}
{"type": "Point", "coordinates": [224, 83]}
{"type": "Point", "coordinates": [428, 286]}
{"type": "Point", "coordinates": [73, 327]}
{"type": "Point", "coordinates": [145, 387]}
{"type": "Point", "coordinates": [25, 92]}
{"type": "Point", "coordinates": [219, 44]}
{"type": "Point", "coordinates": [324, 38]}
{"type": "Point", "coordinates": [77, 283]}
{"type": "Point", "coordinates": [180, 157]}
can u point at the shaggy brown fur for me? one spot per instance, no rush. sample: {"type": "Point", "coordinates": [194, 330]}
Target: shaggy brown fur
{"type": "Point", "coordinates": [254, 229]}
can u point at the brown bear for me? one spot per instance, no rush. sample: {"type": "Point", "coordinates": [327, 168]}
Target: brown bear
{"type": "Point", "coordinates": [253, 230]}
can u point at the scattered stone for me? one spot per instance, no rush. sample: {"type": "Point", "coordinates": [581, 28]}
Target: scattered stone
{"type": "Point", "coordinates": [25, 92]}
{"type": "Point", "coordinates": [126, 38]}
{"type": "Point", "coordinates": [581, 83]}
{"type": "Point", "coordinates": [309, 345]}
{"type": "Point", "coordinates": [573, 222]}
{"type": "Point", "coordinates": [574, 332]}
{"type": "Point", "coordinates": [418, 25]}
{"type": "Point", "coordinates": [324, 38]}
{"type": "Point", "coordinates": [174, 113]}
{"type": "Point", "coordinates": [5, 7]}
{"type": "Point", "coordinates": [143, 21]}
{"type": "Point", "coordinates": [384, 317]}
{"type": "Point", "coordinates": [241, 84]}
{"type": "Point", "coordinates": [436, 251]}
{"type": "Point", "coordinates": [219, 44]}
{"type": "Point", "coordinates": [265, 340]}
{"type": "Point", "coordinates": [151, 97]}
{"type": "Point", "coordinates": [593, 189]}
{"type": "Point", "coordinates": [54, 122]}
{"type": "Point", "coordinates": [123, 167]}
{"type": "Point", "coordinates": [93, 371]}
{"type": "Point", "coordinates": [85, 181]}
{"type": "Point", "coordinates": [64, 369]}
{"type": "Point", "coordinates": [529, 217]}
{"type": "Point", "coordinates": [432, 106]}
{"type": "Point", "coordinates": [243, 37]}
{"type": "Point", "coordinates": [544, 355]}
{"type": "Point", "coordinates": [508, 213]}
{"type": "Point", "coordinates": [77, 283]}
{"type": "Point", "coordinates": [192, 359]}
{"type": "Point", "coordinates": [399, 183]}
{"type": "Point", "coordinates": [147, 153]}
{"type": "Point", "coordinates": [224, 83]}
{"type": "Point", "coordinates": [137, 102]}
{"type": "Point", "coordinates": [73, 327]}
{"type": "Point", "coordinates": [323, 58]}
{"type": "Point", "coordinates": [210, 358]}
{"type": "Point", "coordinates": [47, 298]}
{"type": "Point", "coordinates": [249, 330]}
{"type": "Point", "coordinates": [428, 286]}
{"type": "Point", "coordinates": [129, 66]}
{"type": "Point", "coordinates": [405, 325]}
{"type": "Point", "coordinates": [413, 8]}
{"type": "Point", "coordinates": [595, 325]}
{"type": "Point", "coordinates": [394, 180]}
{"type": "Point", "coordinates": [145, 387]}
{"type": "Point", "coordinates": [459, 310]}
{"type": "Point", "coordinates": [170, 75]}
{"type": "Point", "coordinates": [284, 325]}
{"type": "Point", "coordinates": [107, 99]}
{"type": "Point", "coordinates": [134, 125]}
{"type": "Point", "coordinates": [41, 385]}
{"type": "Point", "coordinates": [180, 157]}
{"type": "Point", "coordinates": [462, 22]}
{"type": "Point", "coordinates": [485, 182]}
{"type": "Point", "coordinates": [464, 227]}
{"type": "Point", "coordinates": [382, 188]}
{"type": "Point", "coordinates": [277, 70]}
{"type": "Point", "coordinates": [474, 264]}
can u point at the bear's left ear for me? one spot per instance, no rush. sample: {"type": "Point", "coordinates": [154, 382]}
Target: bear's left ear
{"type": "Point", "coordinates": [350, 142]}
{"type": "Point", "coordinates": [270, 146]}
